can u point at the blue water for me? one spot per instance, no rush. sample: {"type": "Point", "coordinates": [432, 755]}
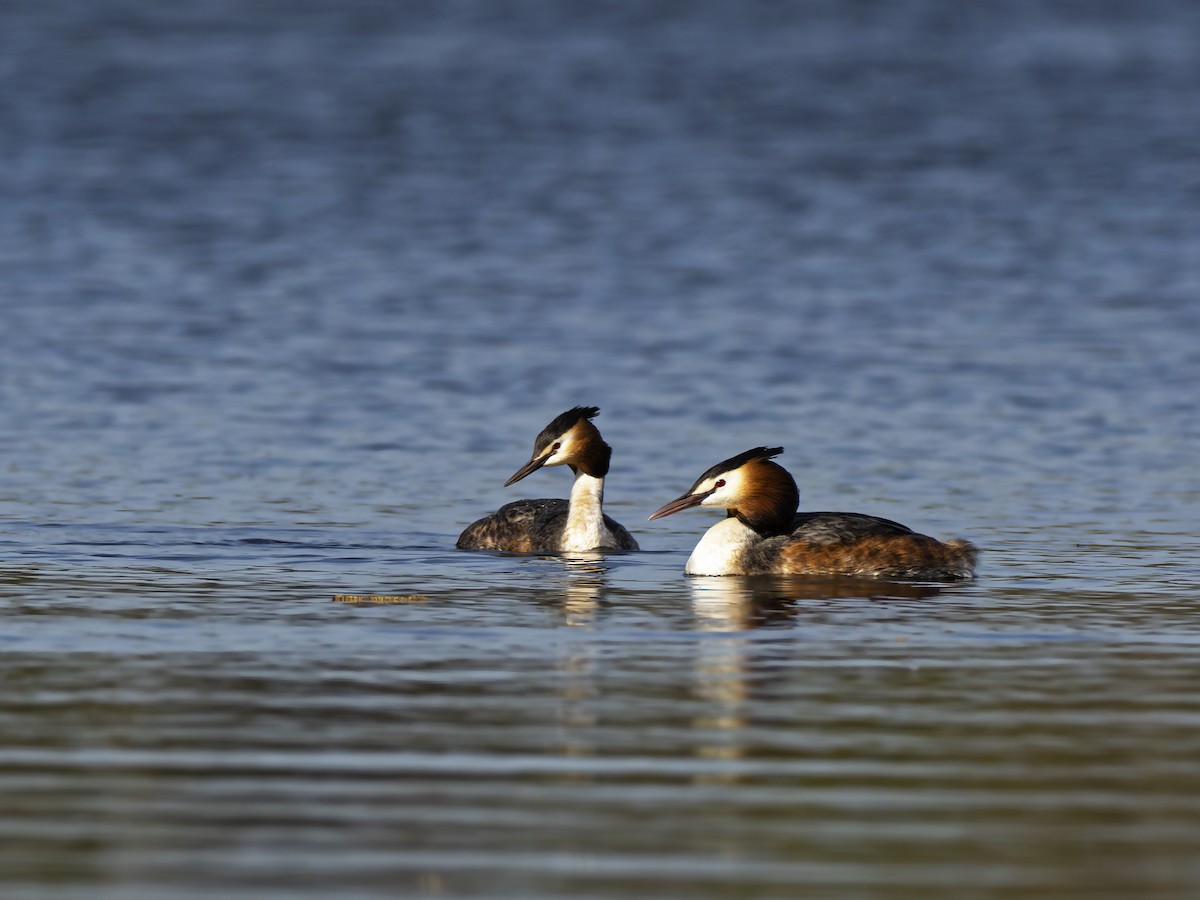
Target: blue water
{"type": "Point", "coordinates": [287, 290]}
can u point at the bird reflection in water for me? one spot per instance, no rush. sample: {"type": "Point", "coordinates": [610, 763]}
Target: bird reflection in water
{"type": "Point", "coordinates": [720, 606]}
{"type": "Point", "coordinates": [725, 609]}
{"type": "Point", "coordinates": [738, 603]}
{"type": "Point", "coordinates": [578, 690]}
{"type": "Point", "coordinates": [586, 576]}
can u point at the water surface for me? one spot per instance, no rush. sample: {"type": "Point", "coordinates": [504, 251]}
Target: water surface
{"type": "Point", "coordinates": [287, 293]}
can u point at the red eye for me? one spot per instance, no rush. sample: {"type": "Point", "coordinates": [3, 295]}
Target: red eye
{"type": "Point", "coordinates": [720, 483]}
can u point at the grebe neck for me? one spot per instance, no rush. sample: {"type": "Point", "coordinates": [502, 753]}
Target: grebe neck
{"type": "Point", "coordinates": [585, 527]}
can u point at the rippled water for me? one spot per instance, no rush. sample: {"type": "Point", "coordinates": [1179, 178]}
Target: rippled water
{"type": "Point", "coordinates": [288, 290]}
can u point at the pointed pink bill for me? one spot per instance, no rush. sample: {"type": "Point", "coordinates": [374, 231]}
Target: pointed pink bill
{"type": "Point", "coordinates": [687, 501]}
{"type": "Point", "coordinates": [532, 466]}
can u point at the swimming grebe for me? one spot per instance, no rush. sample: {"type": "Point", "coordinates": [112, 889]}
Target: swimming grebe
{"type": "Point", "coordinates": [548, 526]}
{"type": "Point", "coordinates": [763, 534]}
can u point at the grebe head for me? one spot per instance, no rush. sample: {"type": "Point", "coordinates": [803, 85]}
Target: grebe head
{"type": "Point", "coordinates": [570, 440]}
{"type": "Point", "coordinates": [759, 492]}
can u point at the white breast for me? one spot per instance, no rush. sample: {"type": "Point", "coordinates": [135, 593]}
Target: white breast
{"type": "Point", "coordinates": [719, 551]}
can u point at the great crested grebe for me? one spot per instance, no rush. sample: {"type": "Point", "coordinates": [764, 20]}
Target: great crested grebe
{"type": "Point", "coordinates": [548, 526]}
{"type": "Point", "coordinates": [763, 534]}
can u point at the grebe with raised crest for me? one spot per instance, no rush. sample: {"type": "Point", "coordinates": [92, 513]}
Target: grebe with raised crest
{"type": "Point", "coordinates": [555, 525]}
{"type": "Point", "coordinates": [764, 534]}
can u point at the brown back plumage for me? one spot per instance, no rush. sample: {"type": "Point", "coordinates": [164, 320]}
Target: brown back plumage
{"type": "Point", "coordinates": [882, 556]}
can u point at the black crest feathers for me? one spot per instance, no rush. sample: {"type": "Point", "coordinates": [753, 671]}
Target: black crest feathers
{"type": "Point", "coordinates": [736, 462]}
{"type": "Point", "coordinates": [564, 423]}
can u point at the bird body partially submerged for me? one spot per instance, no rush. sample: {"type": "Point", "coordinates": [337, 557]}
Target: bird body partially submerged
{"type": "Point", "coordinates": [535, 526]}
{"type": "Point", "coordinates": [763, 533]}
{"type": "Point", "coordinates": [555, 525]}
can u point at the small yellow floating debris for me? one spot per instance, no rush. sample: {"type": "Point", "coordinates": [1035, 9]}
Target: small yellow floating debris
{"type": "Point", "coordinates": [379, 598]}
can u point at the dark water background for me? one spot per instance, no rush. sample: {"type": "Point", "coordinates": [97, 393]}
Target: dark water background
{"type": "Point", "coordinates": [288, 288]}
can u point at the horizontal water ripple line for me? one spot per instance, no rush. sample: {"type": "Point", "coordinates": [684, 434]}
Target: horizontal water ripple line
{"type": "Point", "coordinates": [696, 873]}
{"type": "Point", "coordinates": [717, 760]}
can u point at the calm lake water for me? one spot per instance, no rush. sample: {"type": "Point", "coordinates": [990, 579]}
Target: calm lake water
{"type": "Point", "coordinates": [289, 288]}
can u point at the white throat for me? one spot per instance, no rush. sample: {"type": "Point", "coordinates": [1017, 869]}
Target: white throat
{"type": "Point", "coordinates": [719, 551]}
{"type": "Point", "coordinates": [585, 518]}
